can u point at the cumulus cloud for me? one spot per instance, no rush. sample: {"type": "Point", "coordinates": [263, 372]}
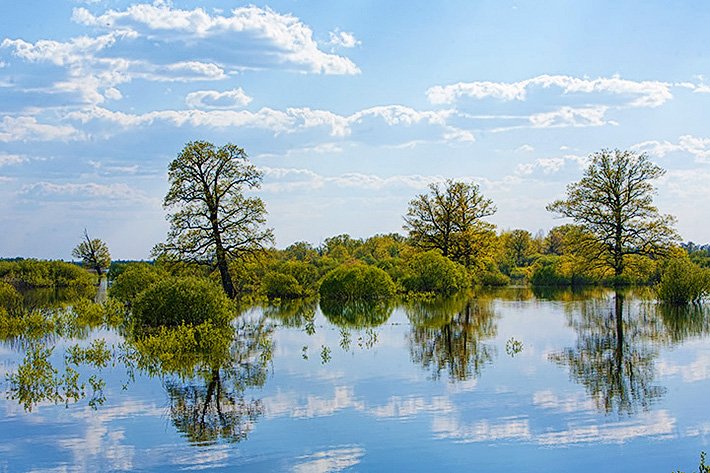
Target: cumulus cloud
{"type": "Point", "coordinates": [696, 146]}
{"type": "Point", "coordinates": [212, 99]}
{"type": "Point", "coordinates": [289, 121]}
{"type": "Point", "coordinates": [284, 35]}
{"type": "Point", "coordinates": [26, 128]}
{"type": "Point", "coordinates": [550, 165]}
{"type": "Point", "coordinates": [642, 93]}
{"type": "Point", "coordinates": [570, 116]}
{"type": "Point", "coordinates": [343, 39]}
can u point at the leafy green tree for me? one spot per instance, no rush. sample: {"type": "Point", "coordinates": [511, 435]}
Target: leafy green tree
{"type": "Point", "coordinates": [211, 220]}
{"type": "Point", "coordinates": [518, 245]}
{"type": "Point", "coordinates": [93, 253]}
{"type": "Point", "coordinates": [448, 219]}
{"type": "Point", "coordinates": [613, 202]}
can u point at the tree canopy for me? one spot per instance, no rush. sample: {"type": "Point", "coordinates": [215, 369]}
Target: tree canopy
{"type": "Point", "coordinates": [448, 219]}
{"type": "Point", "coordinates": [212, 221]}
{"type": "Point", "coordinates": [93, 253]}
{"type": "Point", "coordinates": [613, 202]}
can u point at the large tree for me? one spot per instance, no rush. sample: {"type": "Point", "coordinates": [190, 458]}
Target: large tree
{"type": "Point", "coordinates": [211, 220]}
{"type": "Point", "coordinates": [613, 203]}
{"type": "Point", "coordinates": [448, 219]}
{"type": "Point", "coordinates": [93, 253]}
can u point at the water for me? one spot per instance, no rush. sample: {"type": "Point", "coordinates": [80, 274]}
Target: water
{"type": "Point", "coordinates": [506, 380]}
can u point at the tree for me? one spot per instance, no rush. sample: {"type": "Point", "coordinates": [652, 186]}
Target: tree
{"type": "Point", "coordinates": [449, 220]}
{"type": "Point", "coordinates": [93, 253]}
{"type": "Point", "coordinates": [212, 221]}
{"type": "Point", "coordinates": [518, 245]}
{"type": "Point", "coordinates": [613, 202]}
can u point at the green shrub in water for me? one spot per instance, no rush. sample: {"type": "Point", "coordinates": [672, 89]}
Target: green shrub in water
{"type": "Point", "coordinates": [281, 285]}
{"type": "Point", "coordinates": [134, 279]}
{"type": "Point", "coordinates": [682, 281]}
{"type": "Point", "coordinates": [432, 272]}
{"type": "Point", "coordinates": [191, 301]}
{"type": "Point", "coordinates": [357, 282]}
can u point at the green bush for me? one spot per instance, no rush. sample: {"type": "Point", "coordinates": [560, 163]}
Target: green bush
{"type": "Point", "coordinates": [432, 272]}
{"type": "Point", "coordinates": [491, 276]}
{"type": "Point", "coordinates": [134, 279]}
{"type": "Point", "coordinates": [682, 281]}
{"type": "Point", "coordinates": [547, 272]}
{"type": "Point", "coordinates": [357, 282]}
{"type": "Point", "coordinates": [281, 285]}
{"type": "Point", "coordinates": [36, 273]}
{"type": "Point", "coordinates": [171, 302]}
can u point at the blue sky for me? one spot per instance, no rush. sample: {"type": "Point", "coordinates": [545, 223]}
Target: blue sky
{"type": "Point", "coordinates": [350, 109]}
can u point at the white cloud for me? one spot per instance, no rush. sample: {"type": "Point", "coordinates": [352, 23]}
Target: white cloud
{"type": "Point", "coordinates": [698, 147]}
{"type": "Point", "coordinates": [550, 165]}
{"type": "Point", "coordinates": [644, 93]}
{"type": "Point", "coordinates": [287, 37]}
{"type": "Point", "coordinates": [9, 159]}
{"type": "Point", "coordinates": [289, 179]}
{"type": "Point", "coordinates": [87, 190]}
{"type": "Point", "coordinates": [212, 99]}
{"type": "Point", "coordinates": [343, 39]}
{"type": "Point", "coordinates": [569, 116]}
{"type": "Point", "coordinates": [525, 148]}
{"type": "Point", "coordinates": [25, 128]}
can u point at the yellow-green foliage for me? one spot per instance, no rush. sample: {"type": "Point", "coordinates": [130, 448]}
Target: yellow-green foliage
{"type": "Point", "coordinates": [281, 285]}
{"type": "Point", "coordinates": [173, 301]}
{"type": "Point", "coordinates": [134, 279]}
{"type": "Point", "coordinates": [10, 299]}
{"type": "Point", "coordinates": [682, 281]}
{"type": "Point", "coordinates": [184, 348]}
{"type": "Point", "coordinates": [356, 313]}
{"type": "Point", "coordinates": [357, 282]}
{"type": "Point", "coordinates": [36, 273]}
{"type": "Point", "coordinates": [432, 272]}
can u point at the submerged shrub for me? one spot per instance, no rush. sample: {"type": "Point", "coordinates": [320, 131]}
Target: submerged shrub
{"type": "Point", "coordinates": [281, 285]}
{"type": "Point", "coordinates": [134, 279]}
{"type": "Point", "coordinates": [433, 272]}
{"type": "Point", "coordinates": [171, 302]}
{"type": "Point", "coordinates": [357, 282]}
{"type": "Point", "coordinates": [682, 281]}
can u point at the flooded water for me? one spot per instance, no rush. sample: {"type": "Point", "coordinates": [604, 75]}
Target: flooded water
{"type": "Point", "coordinates": [505, 380]}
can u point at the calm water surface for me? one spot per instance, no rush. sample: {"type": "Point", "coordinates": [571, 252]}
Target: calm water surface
{"type": "Point", "coordinates": [485, 382]}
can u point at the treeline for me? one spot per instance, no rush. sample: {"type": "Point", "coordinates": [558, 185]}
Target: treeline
{"type": "Point", "coordinates": [514, 256]}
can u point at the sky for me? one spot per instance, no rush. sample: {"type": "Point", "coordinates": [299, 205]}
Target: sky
{"type": "Point", "coordinates": [350, 109]}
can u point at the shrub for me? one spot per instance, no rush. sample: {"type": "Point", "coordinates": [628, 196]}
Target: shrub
{"type": "Point", "coordinates": [171, 302]}
{"type": "Point", "coordinates": [356, 282]}
{"type": "Point", "coordinates": [35, 273]}
{"type": "Point", "coordinates": [432, 272]}
{"type": "Point", "coordinates": [682, 282]}
{"type": "Point", "coordinates": [490, 275]}
{"type": "Point", "coordinates": [547, 272]}
{"type": "Point", "coordinates": [134, 279]}
{"type": "Point", "coordinates": [281, 285]}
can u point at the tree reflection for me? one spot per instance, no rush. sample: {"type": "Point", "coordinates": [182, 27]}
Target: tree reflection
{"type": "Point", "coordinates": [447, 335]}
{"type": "Point", "coordinates": [614, 355]}
{"type": "Point", "coordinates": [357, 314]}
{"type": "Point", "coordinates": [207, 372]}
